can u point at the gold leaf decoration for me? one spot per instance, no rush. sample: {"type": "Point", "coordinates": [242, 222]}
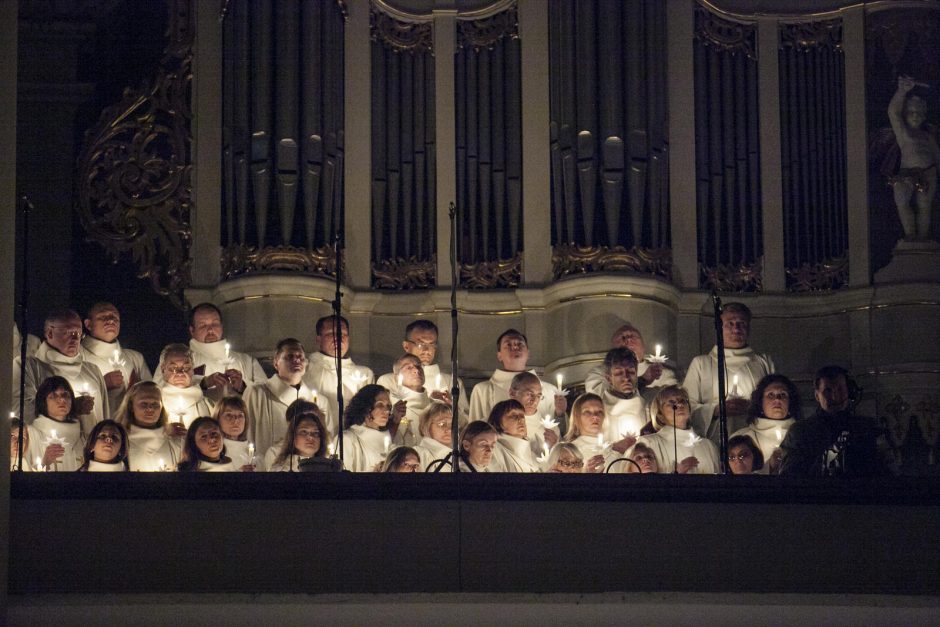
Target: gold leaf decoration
{"type": "Point", "coordinates": [241, 260]}
{"type": "Point", "coordinates": [399, 35]}
{"type": "Point", "coordinates": [831, 274]}
{"type": "Point", "coordinates": [504, 273]}
{"type": "Point", "coordinates": [485, 33]}
{"type": "Point", "coordinates": [404, 274]}
{"type": "Point", "coordinates": [569, 259]}
{"type": "Point", "coordinates": [134, 188]}
{"type": "Point", "coordinates": [725, 35]}
{"type": "Point", "coordinates": [734, 277]}
{"type": "Point", "coordinates": [807, 36]}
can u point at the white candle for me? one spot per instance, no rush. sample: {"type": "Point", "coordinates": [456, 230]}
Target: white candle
{"type": "Point", "coordinates": [779, 434]}
{"type": "Point", "coordinates": [38, 463]}
{"type": "Point", "coordinates": [659, 350]}
{"type": "Point", "coordinates": [388, 442]}
{"type": "Point", "coordinates": [162, 464]}
{"type": "Point", "coordinates": [401, 379]}
{"type": "Point", "coordinates": [559, 379]}
{"type": "Point", "coordinates": [251, 450]}
{"type": "Point", "coordinates": [437, 382]}
{"type": "Point", "coordinates": [313, 393]}
{"type": "Point", "coordinates": [600, 440]}
{"type": "Point", "coordinates": [12, 414]}
{"type": "Point", "coordinates": [54, 436]}
{"type": "Point", "coordinates": [734, 381]}
{"type": "Point", "coordinates": [228, 350]}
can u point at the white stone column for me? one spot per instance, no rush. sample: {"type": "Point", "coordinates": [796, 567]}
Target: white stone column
{"type": "Point", "coordinates": [681, 99]}
{"type": "Point", "coordinates": [207, 146]}
{"type": "Point", "coordinates": [358, 162]}
{"type": "Point", "coordinates": [856, 148]}
{"type": "Point", "coordinates": [445, 131]}
{"type": "Point", "coordinates": [8, 50]}
{"type": "Point", "coordinates": [774, 276]}
{"type": "Point", "coordinates": [536, 165]}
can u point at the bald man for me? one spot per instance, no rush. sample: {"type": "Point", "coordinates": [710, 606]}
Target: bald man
{"type": "Point", "coordinates": [650, 376]}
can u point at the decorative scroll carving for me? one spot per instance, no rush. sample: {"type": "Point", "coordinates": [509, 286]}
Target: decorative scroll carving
{"type": "Point", "coordinates": [134, 189]}
{"type": "Point", "coordinates": [485, 33]}
{"type": "Point", "coordinates": [733, 37]}
{"type": "Point", "coordinates": [734, 277]}
{"type": "Point", "coordinates": [490, 274]}
{"type": "Point", "coordinates": [399, 35]}
{"type": "Point", "coordinates": [810, 35]}
{"type": "Point", "coordinates": [404, 274]}
{"type": "Point", "coordinates": [570, 259]}
{"type": "Point", "coordinates": [831, 274]}
{"type": "Point", "coordinates": [239, 260]}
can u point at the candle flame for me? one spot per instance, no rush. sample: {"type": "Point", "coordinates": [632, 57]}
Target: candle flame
{"type": "Point", "coordinates": [659, 350]}
{"type": "Point", "coordinates": [559, 379]}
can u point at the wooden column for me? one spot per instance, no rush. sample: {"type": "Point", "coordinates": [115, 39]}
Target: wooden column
{"type": "Point", "coordinates": [774, 276]}
{"type": "Point", "coordinates": [358, 164]}
{"type": "Point", "coordinates": [856, 147]}
{"type": "Point", "coordinates": [445, 121]}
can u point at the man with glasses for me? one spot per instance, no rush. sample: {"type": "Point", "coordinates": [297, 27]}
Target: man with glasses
{"type": "Point", "coordinates": [512, 352]}
{"type": "Point", "coordinates": [120, 367]}
{"type": "Point", "coordinates": [60, 354]}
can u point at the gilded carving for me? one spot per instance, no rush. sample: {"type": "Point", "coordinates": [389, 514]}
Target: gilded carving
{"type": "Point", "coordinates": [568, 259]}
{"type": "Point", "coordinates": [831, 274]}
{"type": "Point", "coordinates": [504, 273]}
{"type": "Point", "coordinates": [734, 277]}
{"type": "Point", "coordinates": [485, 33]}
{"type": "Point", "coordinates": [239, 260]}
{"type": "Point", "coordinates": [134, 188]}
{"type": "Point", "coordinates": [812, 35]}
{"type": "Point", "coordinates": [399, 35]}
{"type": "Point", "coordinates": [404, 274]}
{"type": "Point", "coordinates": [725, 35]}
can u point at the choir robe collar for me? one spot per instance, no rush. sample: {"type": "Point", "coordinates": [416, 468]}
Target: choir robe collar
{"type": "Point", "coordinates": [223, 465]}
{"type": "Point", "coordinates": [70, 432]}
{"type": "Point", "coordinates": [68, 367]}
{"type": "Point", "coordinates": [503, 378]}
{"type": "Point", "coordinates": [186, 399]}
{"type": "Point", "coordinates": [587, 444]}
{"type": "Point", "coordinates": [100, 348]}
{"type": "Point", "coordinates": [285, 392]}
{"type": "Point", "coordinates": [94, 466]}
{"type": "Point", "coordinates": [768, 427]}
{"type": "Point", "coordinates": [518, 454]}
{"type": "Point", "coordinates": [436, 449]}
{"type": "Point", "coordinates": [325, 362]}
{"type": "Point", "coordinates": [215, 351]}
{"type": "Point", "coordinates": [150, 440]}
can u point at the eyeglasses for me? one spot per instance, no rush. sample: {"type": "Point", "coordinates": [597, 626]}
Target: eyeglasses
{"type": "Point", "coordinates": [305, 433]}
{"type": "Point", "coordinates": [570, 464]}
{"type": "Point", "coordinates": [74, 334]}
{"type": "Point", "coordinates": [740, 458]}
{"type": "Point", "coordinates": [777, 396]}
{"type": "Point", "coordinates": [109, 437]}
{"type": "Point", "coordinates": [678, 403]}
{"type": "Point", "coordinates": [442, 424]}
{"type": "Point", "coordinates": [410, 466]}
{"type": "Point", "coordinates": [232, 415]}
{"type": "Point", "coordinates": [644, 458]}
{"type": "Point", "coordinates": [179, 369]}
{"type": "Point", "coordinates": [421, 346]}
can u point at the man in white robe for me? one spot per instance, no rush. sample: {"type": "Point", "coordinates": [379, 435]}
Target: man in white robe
{"type": "Point", "coordinates": [624, 407]}
{"type": "Point", "coordinates": [218, 369]}
{"type": "Point", "coordinates": [527, 389]}
{"type": "Point", "coordinates": [60, 354]}
{"type": "Point", "coordinates": [421, 341]}
{"type": "Point", "coordinates": [268, 401]}
{"type": "Point", "coordinates": [183, 398]}
{"type": "Point", "coordinates": [651, 376]}
{"type": "Point", "coordinates": [321, 370]}
{"type": "Point", "coordinates": [744, 368]}
{"type": "Point", "coordinates": [120, 367]}
{"type": "Point", "coordinates": [512, 352]}
{"type": "Point", "coordinates": [409, 388]}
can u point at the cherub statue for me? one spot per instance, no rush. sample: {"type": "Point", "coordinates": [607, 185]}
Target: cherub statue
{"type": "Point", "coordinates": [916, 179]}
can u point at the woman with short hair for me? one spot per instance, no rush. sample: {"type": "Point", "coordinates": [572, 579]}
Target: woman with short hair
{"type": "Point", "coordinates": [565, 458]}
{"type": "Point", "coordinates": [402, 459]}
{"type": "Point", "coordinates": [232, 415]}
{"type": "Point", "coordinates": [56, 437]}
{"type": "Point", "coordinates": [106, 448]}
{"type": "Point", "coordinates": [204, 448]}
{"type": "Point", "coordinates": [775, 406]}
{"type": "Point", "coordinates": [477, 446]}
{"type": "Point", "coordinates": [435, 426]}
{"type": "Point", "coordinates": [153, 444]}
{"type": "Point", "coordinates": [744, 457]}
{"type": "Point", "coordinates": [677, 447]}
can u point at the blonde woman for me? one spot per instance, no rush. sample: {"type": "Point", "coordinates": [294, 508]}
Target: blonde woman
{"type": "Point", "coordinates": [437, 439]}
{"type": "Point", "coordinates": [153, 444]}
{"type": "Point", "coordinates": [677, 447]}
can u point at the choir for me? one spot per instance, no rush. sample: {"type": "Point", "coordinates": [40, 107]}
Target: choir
{"type": "Point", "coordinates": [92, 405]}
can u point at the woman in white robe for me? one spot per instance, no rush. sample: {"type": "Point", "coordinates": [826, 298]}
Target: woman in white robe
{"type": "Point", "coordinates": [565, 458]}
{"type": "Point", "coordinates": [678, 448]}
{"type": "Point", "coordinates": [437, 439]}
{"type": "Point", "coordinates": [182, 397]}
{"type": "Point", "coordinates": [29, 465]}
{"type": "Point", "coordinates": [232, 415]}
{"type": "Point", "coordinates": [306, 437]}
{"type": "Point", "coordinates": [775, 406]}
{"type": "Point", "coordinates": [154, 445]}
{"type": "Point", "coordinates": [106, 448]}
{"type": "Point", "coordinates": [586, 431]}
{"type": "Point", "coordinates": [477, 443]}
{"type": "Point", "coordinates": [204, 448]}
{"type": "Point", "coordinates": [513, 451]}
{"type": "Point", "coordinates": [744, 458]}
{"type": "Point", "coordinates": [56, 436]}
{"type": "Point", "coordinates": [402, 459]}
{"type": "Point", "coordinates": [366, 438]}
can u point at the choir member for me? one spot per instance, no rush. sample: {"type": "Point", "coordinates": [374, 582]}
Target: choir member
{"type": "Point", "coordinates": [744, 457]}
{"type": "Point", "coordinates": [421, 341]}
{"type": "Point", "coordinates": [676, 445]}
{"type": "Point", "coordinates": [120, 367]}
{"type": "Point", "coordinates": [306, 437]}
{"type": "Point", "coordinates": [775, 406]}
{"type": "Point", "coordinates": [232, 415]}
{"type": "Point", "coordinates": [204, 448]}
{"type": "Point", "coordinates": [586, 432]}
{"type": "Point", "coordinates": [402, 459]}
{"type": "Point", "coordinates": [268, 402]}
{"type": "Point", "coordinates": [56, 435]}
{"type": "Point", "coordinates": [565, 458]}
{"type": "Point", "coordinates": [437, 439]}
{"type": "Point", "coordinates": [106, 448]}
{"type": "Point", "coordinates": [645, 459]}
{"type": "Point", "coordinates": [154, 445]}
{"type": "Point", "coordinates": [60, 354]}
{"type": "Point", "coordinates": [32, 343]}
{"type": "Point", "coordinates": [408, 389]}
{"type": "Point", "coordinates": [183, 398]}
{"type": "Point", "coordinates": [321, 369]}
{"type": "Point", "coordinates": [29, 465]}
{"type": "Point", "coordinates": [512, 352]}
{"type": "Point", "coordinates": [624, 407]}
{"type": "Point", "coordinates": [527, 389]}
{"type": "Point", "coordinates": [477, 444]}
{"type": "Point", "coordinates": [744, 367]}
{"type": "Point", "coordinates": [651, 376]}
{"type": "Point", "coordinates": [366, 439]}
{"type": "Point", "coordinates": [513, 452]}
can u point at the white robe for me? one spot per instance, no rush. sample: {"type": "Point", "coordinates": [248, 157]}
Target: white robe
{"type": "Point", "coordinates": [321, 377]}
{"type": "Point", "coordinates": [94, 466]}
{"type": "Point", "coordinates": [267, 410]}
{"type": "Point", "coordinates": [431, 372]}
{"type": "Point", "coordinates": [665, 446]}
{"type": "Point", "coordinates": [32, 343]}
{"type": "Point", "coordinates": [209, 358]}
{"type": "Point", "coordinates": [48, 362]}
{"type": "Point", "coordinates": [417, 404]}
{"type": "Point", "coordinates": [623, 416]}
{"type": "Point", "coordinates": [596, 380]}
{"type": "Point", "coordinates": [237, 451]}
{"type": "Point", "coordinates": [290, 464]}
{"type": "Point", "coordinates": [701, 382]}
{"type": "Point", "coordinates": [363, 448]}
{"type": "Point", "coordinates": [190, 403]}
{"type": "Point", "coordinates": [71, 435]}
{"type": "Point", "coordinates": [101, 354]}
{"type": "Point", "coordinates": [514, 454]}
{"type": "Point", "coordinates": [589, 447]}
{"type": "Point", "coordinates": [430, 450]}
{"type": "Point", "coordinates": [767, 435]}
{"type": "Point", "coordinates": [219, 466]}
{"type": "Point", "coordinates": [487, 393]}
{"type": "Point", "coordinates": [148, 447]}
{"type": "Point", "coordinates": [535, 431]}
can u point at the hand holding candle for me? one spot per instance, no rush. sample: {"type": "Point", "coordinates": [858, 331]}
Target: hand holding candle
{"type": "Point", "coordinates": [658, 357]}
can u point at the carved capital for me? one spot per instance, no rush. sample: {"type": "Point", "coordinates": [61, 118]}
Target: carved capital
{"type": "Point", "coordinates": [504, 273]}
{"type": "Point", "coordinates": [734, 277]}
{"type": "Point", "coordinates": [831, 274]}
{"type": "Point", "coordinates": [569, 259]}
{"type": "Point", "coordinates": [806, 36]}
{"type": "Point", "coordinates": [240, 260]}
{"type": "Point", "coordinates": [485, 33]}
{"type": "Point", "coordinates": [400, 35]}
{"type": "Point", "coordinates": [725, 35]}
{"type": "Point", "coordinates": [404, 274]}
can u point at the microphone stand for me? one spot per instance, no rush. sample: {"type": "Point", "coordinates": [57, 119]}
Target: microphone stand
{"type": "Point", "coordinates": [623, 459]}
{"type": "Point", "coordinates": [722, 410]}
{"type": "Point", "coordinates": [338, 339]}
{"type": "Point", "coordinates": [454, 381]}
{"type": "Point", "coordinates": [26, 206]}
{"type": "Point", "coordinates": [675, 443]}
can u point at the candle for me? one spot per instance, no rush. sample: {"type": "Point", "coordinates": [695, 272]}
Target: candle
{"type": "Point", "coordinates": [401, 379]}
{"type": "Point", "coordinates": [38, 463]}
{"type": "Point", "coordinates": [559, 379]}
{"type": "Point", "coordinates": [388, 442]}
{"type": "Point", "coordinates": [659, 350]}
{"type": "Point", "coordinates": [734, 381]}
{"type": "Point", "coordinates": [313, 393]}
{"type": "Point", "coordinates": [228, 351]}
{"type": "Point", "coordinates": [332, 448]}
{"type": "Point", "coordinates": [600, 440]}
{"type": "Point", "coordinates": [779, 434]}
{"type": "Point", "coordinates": [12, 414]}
{"type": "Point", "coordinates": [54, 436]}
{"type": "Point", "coordinates": [437, 382]}
{"type": "Point", "coordinates": [162, 464]}
{"type": "Point", "coordinates": [251, 450]}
